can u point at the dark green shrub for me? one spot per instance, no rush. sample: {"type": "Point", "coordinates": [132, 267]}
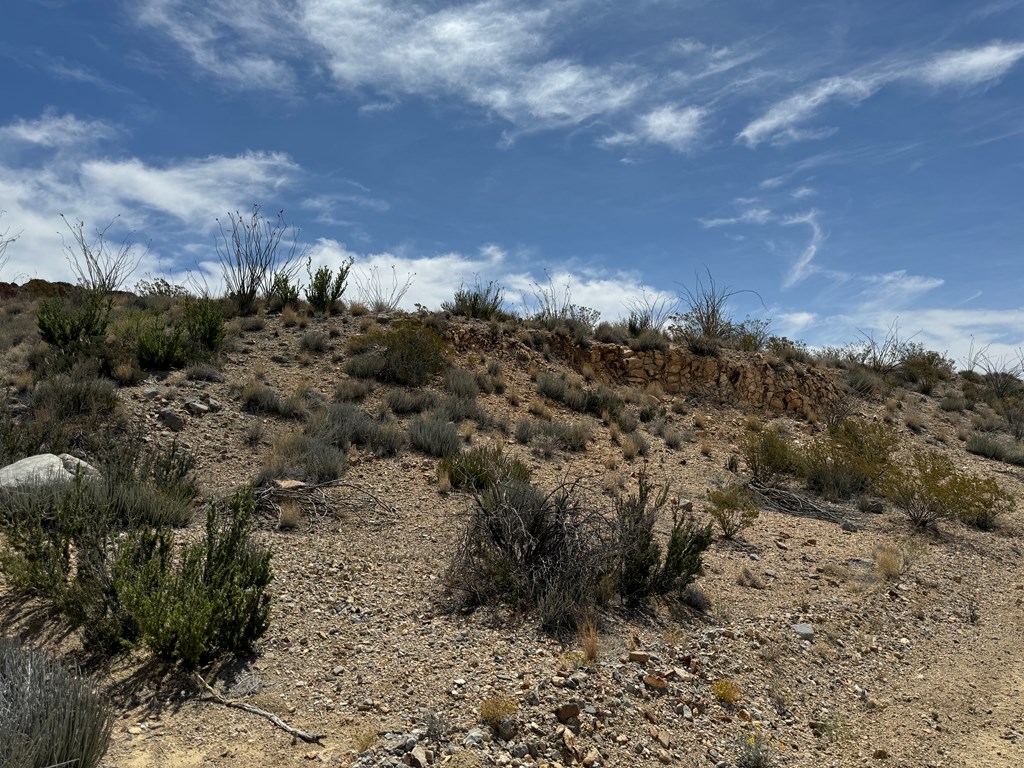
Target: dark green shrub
{"type": "Point", "coordinates": [210, 598]}
{"type": "Point", "coordinates": [159, 348]}
{"type": "Point", "coordinates": [75, 394]}
{"type": "Point", "coordinates": [482, 302]}
{"type": "Point", "coordinates": [283, 292]}
{"type": "Point", "coordinates": [770, 454]}
{"type": "Point", "coordinates": [404, 401]}
{"type": "Point", "coordinates": [480, 468]}
{"type": "Point", "coordinates": [435, 436]}
{"type": "Point", "coordinates": [406, 353]}
{"type": "Point", "coordinates": [49, 715]}
{"type": "Point", "coordinates": [325, 291]}
{"type": "Point", "coordinates": [733, 508]}
{"type": "Point", "coordinates": [640, 570]}
{"type": "Point", "coordinates": [203, 324]}
{"type": "Point", "coordinates": [73, 323]}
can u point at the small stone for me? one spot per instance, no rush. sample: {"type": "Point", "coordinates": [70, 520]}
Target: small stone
{"type": "Point", "coordinates": [639, 657]}
{"type": "Point", "coordinates": [591, 757]}
{"type": "Point", "coordinates": [655, 683]}
{"type": "Point", "coordinates": [197, 408]}
{"type": "Point", "coordinates": [849, 527]}
{"type": "Point", "coordinates": [664, 757]}
{"type": "Point", "coordinates": [804, 632]}
{"type": "Point", "coordinates": [880, 754]}
{"type": "Point", "coordinates": [173, 421]}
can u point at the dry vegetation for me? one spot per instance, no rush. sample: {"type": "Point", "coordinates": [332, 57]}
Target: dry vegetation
{"type": "Point", "coordinates": [495, 558]}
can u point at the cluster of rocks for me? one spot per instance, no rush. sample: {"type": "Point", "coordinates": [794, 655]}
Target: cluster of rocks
{"type": "Point", "coordinates": [171, 415]}
{"type": "Point", "coordinates": [45, 468]}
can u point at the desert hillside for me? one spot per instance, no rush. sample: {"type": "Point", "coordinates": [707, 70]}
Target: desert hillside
{"type": "Point", "coordinates": [511, 541]}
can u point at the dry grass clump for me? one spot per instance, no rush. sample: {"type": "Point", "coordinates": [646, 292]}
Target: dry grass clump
{"type": "Point", "coordinates": [258, 397]}
{"type": "Point", "coordinates": [633, 445]}
{"type": "Point", "coordinates": [726, 691]}
{"type": "Point", "coordinates": [890, 562]}
{"type": "Point", "coordinates": [586, 628]}
{"type": "Point", "coordinates": [352, 390]}
{"type": "Point", "coordinates": [434, 436]}
{"type": "Point", "coordinates": [290, 516]}
{"type": "Point", "coordinates": [406, 401]}
{"type": "Point", "coordinates": [314, 341]}
{"type": "Point", "coordinates": [298, 456]}
{"type": "Point", "coordinates": [496, 709]}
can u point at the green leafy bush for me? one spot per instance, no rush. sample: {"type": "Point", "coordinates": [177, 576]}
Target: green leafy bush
{"type": "Point", "coordinates": [283, 292]}
{"type": "Point", "coordinates": [770, 454]}
{"type": "Point", "coordinates": [74, 323]}
{"type": "Point", "coordinates": [733, 508]}
{"type": "Point", "coordinates": [203, 324]}
{"type": "Point", "coordinates": [212, 597]}
{"type": "Point", "coordinates": [324, 290]}
{"type": "Point", "coordinates": [849, 459]}
{"type": "Point", "coordinates": [49, 715]}
{"type": "Point", "coordinates": [159, 348]}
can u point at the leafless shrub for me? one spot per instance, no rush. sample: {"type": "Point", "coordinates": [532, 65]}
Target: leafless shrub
{"type": "Point", "coordinates": [374, 293]}
{"type": "Point", "coordinates": [99, 267]}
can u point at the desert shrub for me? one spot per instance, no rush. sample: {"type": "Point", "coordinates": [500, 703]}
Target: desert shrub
{"type": "Point", "coordinates": [210, 598]}
{"type": "Point", "coordinates": [862, 381]}
{"type": "Point", "coordinates": [203, 372]}
{"type": "Point", "coordinates": [551, 385]}
{"type": "Point", "coordinates": [376, 294]}
{"type": "Point", "coordinates": [609, 333]}
{"type": "Point", "coordinates": [406, 353]}
{"type": "Point", "coordinates": [352, 390]}
{"type": "Point", "coordinates": [556, 312]}
{"type": "Point", "coordinates": [525, 431]}
{"type": "Point", "coordinates": [482, 302]}
{"type": "Point", "coordinates": [1012, 411]}
{"type": "Point", "coordinates": [953, 403]}
{"type": "Point", "coordinates": [648, 340]}
{"type": "Point", "coordinates": [203, 324]}
{"type": "Point", "coordinates": [262, 398]}
{"type": "Point", "coordinates": [568, 437]}
{"type": "Point", "coordinates": [640, 568]}
{"type": "Point", "coordinates": [461, 383]}
{"type": "Point", "coordinates": [314, 341]}
{"type": "Point", "coordinates": [633, 444]}
{"type": "Point", "coordinates": [344, 424]}
{"type": "Point", "coordinates": [434, 436]}
{"type": "Point", "coordinates": [769, 454]}
{"type": "Point", "coordinates": [405, 401]}
{"type": "Point", "coordinates": [733, 508]}
{"type": "Point", "coordinates": [158, 348]}
{"type": "Point", "coordinates": [931, 487]}
{"type": "Point", "coordinates": [75, 394]}
{"type": "Point", "coordinates": [923, 367]}
{"type": "Point", "coordinates": [458, 410]}
{"type": "Point", "coordinates": [49, 715]}
{"type": "Point", "coordinates": [480, 468]}
{"type": "Point", "coordinates": [74, 323]}
{"type": "Point", "coordinates": [495, 710]}
{"type": "Point", "coordinates": [789, 350]}
{"type": "Point", "coordinates": [627, 421]}
{"type": "Point", "coordinates": [325, 288]}
{"type": "Point", "coordinates": [493, 381]}
{"type": "Point", "coordinates": [848, 459]}
{"type": "Point", "coordinates": [283, 292]}
{"type": "Point", "coordinates": [673, 438]}
{"type": "Point", "coordinates": [726, 691]}
{"type": "Point", "coordinates": [536, 551]}
{"type": "Point", "coordinates": [299, 456]}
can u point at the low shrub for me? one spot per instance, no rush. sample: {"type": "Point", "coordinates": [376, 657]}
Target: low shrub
{"type": "Point", "coordinates": [953, 403]}
{"type": "Point", "coordinates": [261, 398]}
{"type": "Point", "coordinates": [931, 487]}
{"type": "Point", "coordinates": [434, 436]}
{"type": "Point", "coordinates": [75, 394]}
{"type": "Point", "coordinates": [461, 383]}
{"type": "Point", "coordinates": [314, 341]}
{"type": "Point", "coordinates": [405, 401]}
{"type": "Point", "coordinates": [352, 391]}
{"type": "Point", "coordinates": [345, 424]}
{"type": "Point", "coordinates": [849, 459]}
{"type": "Point", "coordinates": [770, 454]}
{"type": "Point", "coordinates": [406, 353]}
{"type": "Point", "coordinates": [49, 715]}
{"type": "Point", "coordinates": [649, 340]}
{"type": "Point", "coordinates": [75, 323]}
{"type": "Point", "coordinates": [159, 348]}
{"type": "Point", "coordinates": [283, 292]}
{"type": "Point", "coordinates": [299, 456]}
{"type": "Point", "coordinates": [482, 302]}
{"type": "Point", "coordinates": [203, 324]}
{"type": "Point", "coordinates": [458, 410]}
{"type": "Point", "coordinates": [480, 468]}
{"type": "Point", "coordinates": [633, 445]}
{"type": "Point", "coordinates": [733, 508]}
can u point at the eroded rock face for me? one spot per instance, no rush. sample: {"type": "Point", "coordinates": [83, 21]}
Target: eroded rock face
{"type": "Point", "coordinates": [44, 468]}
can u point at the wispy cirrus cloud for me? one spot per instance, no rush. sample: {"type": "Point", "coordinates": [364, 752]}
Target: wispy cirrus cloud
{"type": "Point", "coordinates": [678, 128]}
{"type": "Point", "coordinates": [784, 121]}
{"type": "Point", "coordinates": [804, 264]}
{"type": "Point", "coordinates": [749, 216]}
{"type": "Point", "coordinates": [52, 131]}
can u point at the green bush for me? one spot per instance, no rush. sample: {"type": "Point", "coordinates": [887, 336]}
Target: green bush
{"type": "Point", "coordinates": [849, 459]}
{"type": "Point", "coordinates": [770, 454]}
{"type": "Point", "coordinates": [74, 394]}
{"type": "Point", "coordinates": [283, 292]}
{"type": "Point", "coordinates": [407, 353]}
{"type": "Point", "coordinates": [435, 436]}
{"type": "Point", "coordinates": [210, 598]}
{"type": "Point", "coordinates": [299, 456]}
{"type": "Point", "coordinates": [641, 571]}
{"type": "Point", "coordinates": [480, 468]}
{"type": "Point", "coordinates": [159, 348]}
{"type": "Point", "coordinates": [324, 290]}
{"type": "Point", "coordinates": [733, 508]}
{"type": "Point", "coordinates": [74, 323]}
{"type": "Point", "coordinates": [482, 302]}
{"type": "Point", "coordinates": [49, 715]}
{"type": "Point", "coordinates": [931, 487]}
{"type": "Point", "coordinates": [203, 324]}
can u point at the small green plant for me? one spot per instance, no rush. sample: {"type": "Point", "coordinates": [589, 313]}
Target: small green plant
{"type": "Point", "coordinates": [726, 691]}
{"type": "Point", "coordinates": [733, 508]}
{"type": "Point", "coordinates": [482, 302]}
{"type": "Point", "coordinates": [203, 324]}
{"type": "Point", "coordinates": [769, 454]}
{"type": "Point", "coordinates": [480, 468]}
{"type": "Point", "coordinates": [261, 398]}
{"type": "Point", "coordinates": [461, 383]}
{"type": "Point", "coordinates": [435, 436]}
{"type": "Point", "coordinates": [49, 715]}
{"type": "Point", "coordinates": [159, 348]}
{"type": "Point", "coordinates": [326, 288]}
{"type": "Point", "coordinates": [755, 750]}
{"type": "Point", "coordinates": [406, 353]}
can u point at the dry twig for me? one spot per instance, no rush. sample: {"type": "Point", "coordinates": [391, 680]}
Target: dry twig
{"type": "Point", "coordinates": [212, 695]}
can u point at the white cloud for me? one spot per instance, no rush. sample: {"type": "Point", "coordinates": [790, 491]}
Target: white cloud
{"type": "Point", "coordinates": [972, 66]}
{"type": "Point", "coordinates": [802, 192]}
{"type": "Point", "coordinates": [56, 131]}
{"type": "Point", "coordinates": [781, 123]}
{"type": "Point", "coordinates": [804, 265]}
{"type": "Point", "coordinates": [678, 128]}
{"type": "Point", "coordinates": [749, 216]}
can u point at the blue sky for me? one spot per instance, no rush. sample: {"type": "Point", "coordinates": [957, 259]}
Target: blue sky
{"type": "Point", "coordinates": [854, 163]}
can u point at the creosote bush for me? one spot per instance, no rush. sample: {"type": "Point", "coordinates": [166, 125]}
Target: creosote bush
{"type": "Point", "coordinates": [931, 487]}
{"type": "Point", "coordinates": [849, 459]}
{"type": "Point", "coordinates": [326, 288]}
{"type": "Point", "coordinates": [49, 715]}
{"type": "Point", "coordinates": [733, 508]}
{"type": "Point", "coordinates": [480, 468]}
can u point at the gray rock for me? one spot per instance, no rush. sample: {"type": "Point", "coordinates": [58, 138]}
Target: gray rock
{"type": "Point", "coordinates": [173, 421]}
{"type": "Point", "coordinates": [199, 409]}
{"type": "Point", "coordinates": [45, 468]}
{"type": "Point", "coordinates": [474, 738]}
{"type": "Point", "coordinates": [804, 632]}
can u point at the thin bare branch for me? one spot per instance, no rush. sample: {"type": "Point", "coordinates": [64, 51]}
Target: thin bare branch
{"type": "Point", "coordinates": [212, 695]}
